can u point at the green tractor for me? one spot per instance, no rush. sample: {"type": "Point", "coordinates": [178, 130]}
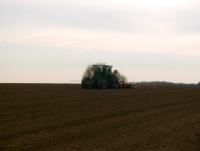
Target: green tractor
{"type": "Point", "coordinates": [101, 77]}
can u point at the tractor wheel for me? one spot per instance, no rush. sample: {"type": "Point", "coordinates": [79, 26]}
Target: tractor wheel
{"type": "Point", "coordinates": [113, 82]}
{"type": "Point", "coordinates": [102, 84]}
{"type": "Point", "coordinates": [84, 83]}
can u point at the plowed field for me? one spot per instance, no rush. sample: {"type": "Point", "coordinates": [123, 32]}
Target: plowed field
{"type": "Point", "coordinates": [65, 117]}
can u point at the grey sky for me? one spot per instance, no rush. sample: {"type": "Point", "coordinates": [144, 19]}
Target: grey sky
{"type": "Point", "coordinates": [165, 31]}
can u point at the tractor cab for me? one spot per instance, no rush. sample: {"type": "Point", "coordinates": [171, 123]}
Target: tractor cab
{"type": "Point", "coordinates": [102, 69]}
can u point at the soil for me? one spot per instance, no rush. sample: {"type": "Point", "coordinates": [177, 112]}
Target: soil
{"type": "Point", "coordinates": [65, 117]}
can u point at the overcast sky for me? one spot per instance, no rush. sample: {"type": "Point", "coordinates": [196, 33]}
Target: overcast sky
{"type": "Point", "coordinates": [54, 41]}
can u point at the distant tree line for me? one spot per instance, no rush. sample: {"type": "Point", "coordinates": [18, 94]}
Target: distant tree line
{"type": "Point", "coordinates": [166, 83]}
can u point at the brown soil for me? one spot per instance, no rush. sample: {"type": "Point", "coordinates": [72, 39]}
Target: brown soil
{"type": "Point", "coordinates": [66, 117]}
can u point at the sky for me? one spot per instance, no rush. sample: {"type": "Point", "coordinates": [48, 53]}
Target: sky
{"type": "Point", "coordinates": [54, 41]}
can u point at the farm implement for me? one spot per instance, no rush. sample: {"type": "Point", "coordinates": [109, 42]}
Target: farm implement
{"type": "Point", "coordinates": [102, 77]}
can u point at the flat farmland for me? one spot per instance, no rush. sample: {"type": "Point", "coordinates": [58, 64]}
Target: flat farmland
{"type": "Point", "coordinates": [65, 117]}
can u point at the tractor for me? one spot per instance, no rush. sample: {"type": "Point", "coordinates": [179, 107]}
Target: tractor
{"type": "Point", "coordinates": [101, 77]}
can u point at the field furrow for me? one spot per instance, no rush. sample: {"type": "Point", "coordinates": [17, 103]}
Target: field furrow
{"type": "Point", "coordinates": [66, 117]}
